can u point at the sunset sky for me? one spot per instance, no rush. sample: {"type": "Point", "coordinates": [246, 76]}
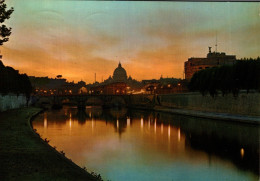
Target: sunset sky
{"type": "Point", "coordinates": [80, 38]}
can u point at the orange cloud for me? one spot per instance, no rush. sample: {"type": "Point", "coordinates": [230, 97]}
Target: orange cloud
{"type": "Point", "coordinates": [150, 39]}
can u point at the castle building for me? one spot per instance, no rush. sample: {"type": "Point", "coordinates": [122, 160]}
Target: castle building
{"type": "Point", "coordinates": [213, 59]}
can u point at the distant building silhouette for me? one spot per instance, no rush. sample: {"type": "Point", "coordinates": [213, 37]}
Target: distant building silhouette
{"type": "Point", "coordinates": [164, 86]}
{"type": "Point", "coordinates": [120, 84]}
{"type": "Point", "coordinates": [115, 85]}
{"type": "Point", "coordinates": [213, 59]}
{"type": "Point", "coordinates": [46, 85]}
{"type": "Point", "coordinates": [119, 74]}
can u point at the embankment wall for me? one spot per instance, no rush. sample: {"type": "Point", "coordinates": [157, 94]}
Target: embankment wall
{"type": "Point", "coordinates": [244, 104]}
{"type": "Point", "coordinates": [11, 101]}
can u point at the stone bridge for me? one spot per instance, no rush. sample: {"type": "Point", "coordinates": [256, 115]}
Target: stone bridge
{"type": "Point", "coordinates": [133, 100]}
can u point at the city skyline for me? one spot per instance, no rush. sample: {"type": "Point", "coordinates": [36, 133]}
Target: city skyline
{"type": "Point", "coordinates": [150, 39]}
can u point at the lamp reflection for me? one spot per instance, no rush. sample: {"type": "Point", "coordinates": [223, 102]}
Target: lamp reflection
{"type": "Point", "coordinates": [155, 125]}
{"type": "Point", "coordinates": [45, 123]}
{"type": "Point", "coordinates": [242, 152]}
{"type": "Point", "coordinates": [179, 134]}
{"type": "Point", "coordinates": [169, 132]}
{"type": "Point", "coordinates": [70, 123]}
{"type": "Point", "coordinates": [92, 124]}
{"type": "Point", "coordinates": [128, 122]}
{"type": "Point", "coordinates": [117, 124]}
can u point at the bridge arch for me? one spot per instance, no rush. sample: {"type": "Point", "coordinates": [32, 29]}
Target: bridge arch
{"type": "Point", "coordinates": [94, 101]}
{"type": "Point", "coordinates": [118, 101]}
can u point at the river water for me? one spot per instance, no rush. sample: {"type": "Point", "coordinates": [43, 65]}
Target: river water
{"type": "Point", "coordinates": [124, 144]}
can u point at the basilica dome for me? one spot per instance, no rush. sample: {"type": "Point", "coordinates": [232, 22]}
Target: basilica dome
{"type": "Point", "coordinates": [119, 74]}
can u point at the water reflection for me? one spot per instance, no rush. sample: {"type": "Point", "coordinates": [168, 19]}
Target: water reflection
{"type": "Point", "coordinates": [137, 138]}
{"type": "Point", "coordinates": [128, 122]}
{"type": "Point", "coordinates": [242, 152]}
{"type": "Point", "coordinates": [169, 132]}
{"type": "Point", "coordinates": [45, 120]}
{"type": "Point", "coordinates": [179, 134]}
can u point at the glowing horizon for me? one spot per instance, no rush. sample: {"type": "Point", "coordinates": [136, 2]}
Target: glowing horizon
{"type": "Point", "coordinates": [80, 38]}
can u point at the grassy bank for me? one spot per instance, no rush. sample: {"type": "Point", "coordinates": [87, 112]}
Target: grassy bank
{"type": "Point", "coordinates": [25, 156]}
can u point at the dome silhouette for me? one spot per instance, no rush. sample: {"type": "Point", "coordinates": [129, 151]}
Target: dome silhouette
{"type": "Point", "coordinates": [119, 74]}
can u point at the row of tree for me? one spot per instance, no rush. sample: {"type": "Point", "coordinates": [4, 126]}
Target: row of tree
{"type": "Point", "coordinates": [13, 82]}
{"type": "Point", "coordinates": [244, 75]}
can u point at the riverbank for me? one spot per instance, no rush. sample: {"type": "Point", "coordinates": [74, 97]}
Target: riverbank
{"type": "Point", "coordinates": [210, 115]}
{"type": "Point", "coordinates": [25, 156]}
{"type": "Point", "coordinates": [204, 114]}
{"type": "Point", "coordinates": [244, 104]}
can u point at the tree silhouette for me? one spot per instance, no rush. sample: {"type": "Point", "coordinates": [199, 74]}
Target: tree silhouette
{"type": "Point", "coordinates": [244, 75]}
{"type": "Point", "coordinates": [5, 14]}
{"type": "Point", "coordinates": [59, 76]}
{"type": "Point", "coordinates": [13, 82]}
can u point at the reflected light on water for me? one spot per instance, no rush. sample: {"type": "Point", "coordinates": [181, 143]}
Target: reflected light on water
{"type": "Point", "coordinates": [169, 132]}
{"type": "Point", "coordinates": [45, 123]}
{"type": "Point", "coordinates": [95, 144]}
{"type": "Point", "coordinates": [179, 134]}
{"type": "Point", "coordinates": [117, 124]}
{"type": "Point", "coordinates": [155, 125]}
{"type": "Point", "coordinates": [242, 152]}
{"type": "Point", "coordinates": [128, 122]}
{"type": "Point", "coordinates": [92, 124]}
{"type": "Point", "coordinates": [70, 123]}
{"type": "Point", "coordinates": [142, 123]}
